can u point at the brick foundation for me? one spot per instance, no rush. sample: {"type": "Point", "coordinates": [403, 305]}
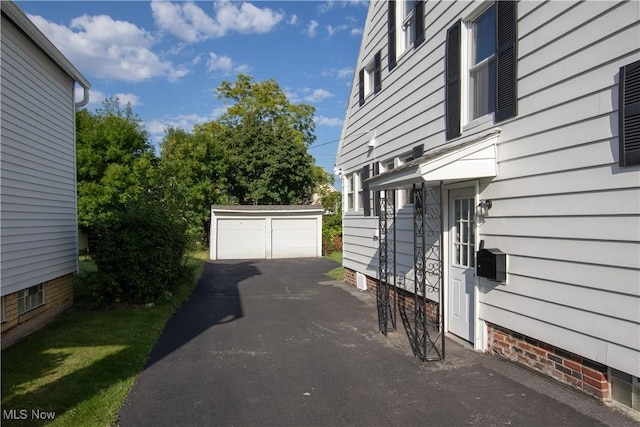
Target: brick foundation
{"type": "Point", "coordinates": [568, 368]}
{"type": "Point", "coordinates": [405, 299]}
{"type": "Point", "coordinates": [58, 296]}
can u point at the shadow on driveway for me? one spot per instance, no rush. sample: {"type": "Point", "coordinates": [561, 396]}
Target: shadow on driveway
{"type": "Point", "coordinates": [215, 301]}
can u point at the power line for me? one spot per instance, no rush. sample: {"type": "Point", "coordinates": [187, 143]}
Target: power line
{"type": "Point", "coordinates": [337, 140]}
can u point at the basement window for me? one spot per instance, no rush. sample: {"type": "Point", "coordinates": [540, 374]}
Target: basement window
{"type": "Point", "coordinates": [625, 389]}
{"type": "Point", "coordinates": [30, 298]}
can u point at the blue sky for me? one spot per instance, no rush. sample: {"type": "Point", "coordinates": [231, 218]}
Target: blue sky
{"type": "Point", "coordinates": [166, 58]}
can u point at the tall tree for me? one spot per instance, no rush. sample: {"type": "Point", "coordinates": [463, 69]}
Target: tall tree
{"type": "Point", "coordinates": [115, 161]}
{"type": "Point", "coordinates": [192, 177]}
{"type": "Point", "coordinates": [265, 139]}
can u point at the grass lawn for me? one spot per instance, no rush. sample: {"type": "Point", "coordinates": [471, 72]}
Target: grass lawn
{"type": "Point", "coordinates": [338, 272]}
{"type": "Point", "coordinates": [83, 364]}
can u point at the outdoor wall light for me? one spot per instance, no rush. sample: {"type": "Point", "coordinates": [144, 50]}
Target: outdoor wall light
{"type": "Point", "coordinates": [483, 208]}
{"type": "Point", "coordinates": [372, 139]}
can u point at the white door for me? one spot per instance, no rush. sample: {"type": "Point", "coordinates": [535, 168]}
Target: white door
{"type": "Point", "coordinates": [241, 239]}
{"type": "Point", "coordinates": [461, 263]}
{"type": "Point", "coordinates": [294, 238]}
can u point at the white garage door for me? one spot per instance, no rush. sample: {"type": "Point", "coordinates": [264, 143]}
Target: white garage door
{"type": "Point", "coordinates": [294, 238]}
{"type": "Point", "coordinates": [241, 239]}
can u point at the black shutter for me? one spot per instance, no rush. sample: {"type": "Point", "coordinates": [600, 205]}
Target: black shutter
{"type": "Point", "coordinates": [506, 60]}
{"type": "Point", "coordinates": [392, 34]}
{"type": "Point", "coordinates": [417, 151]}
{"type": "Point", "coordinates": [366, 195]}
{"type": "Point", "coordinates": [376, 194]}
{"type": "Point", "coordinates": [418, 14]}
{"type": "Point", "coordinates": [629, 114]}
{"type": "Point", "coordinates": [361, 87]}
{"type": "Point", "coordinates": [377, 65]}
{"type": "Point", "coordinates": [452, 90]}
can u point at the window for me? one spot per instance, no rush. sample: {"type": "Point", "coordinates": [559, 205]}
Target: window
{"type": "Point", "coordinates": [464, 234]}
{"type": "Point", "coordinates": [349, 191]}
{"type": "Point", "coordinates": [370, 78]}
{"type": "Point", "coordinates": [629, 114]}
{"type": "Point", "coordinates": [481, 63]}
{"type": "Point", "coordinates": [30, 298]}
{"type": "Point", "coordinates": [404, 19]}
{"type": "Point", "coordinates": [405, 27]}
{"type": "Point", "coordinates": [405, 198]}
{"type": "Point", "coordinates": [358, 182]}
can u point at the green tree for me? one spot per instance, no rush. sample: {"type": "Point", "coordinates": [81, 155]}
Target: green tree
{"type": "Point", "coordinates": [115, 161]}
{"type": "Point", "coordinates": [265, 140]}
{"type": "Point", "coordinates": [192, 170]}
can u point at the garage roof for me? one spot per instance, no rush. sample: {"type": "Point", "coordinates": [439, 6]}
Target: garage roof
{"type": "Point", "coordinates": [267, 208]}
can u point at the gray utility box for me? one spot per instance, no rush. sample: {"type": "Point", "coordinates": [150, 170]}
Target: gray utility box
{"type": "Point", "coordinates": [492, 264]}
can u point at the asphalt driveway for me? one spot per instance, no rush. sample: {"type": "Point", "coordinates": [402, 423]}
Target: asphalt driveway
{"type": "Point", "coordinates": [276, 343]}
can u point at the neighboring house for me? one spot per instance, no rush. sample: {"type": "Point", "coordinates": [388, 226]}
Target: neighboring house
{"type": "Point", "coordinates": [38, 219]}
{"type": "Point", "coordinates": [516, 126]}
{"type": "Point", "coordinates": [323, 191]}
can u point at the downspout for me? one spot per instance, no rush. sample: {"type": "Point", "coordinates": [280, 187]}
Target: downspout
{"type": "Point", "coordinates": [84, 101]}
{"type": "Point", "coordinates": [85, 98]}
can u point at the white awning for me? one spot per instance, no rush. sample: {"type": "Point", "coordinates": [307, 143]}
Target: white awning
{"type": "Point", "coordinates": [469, 158]}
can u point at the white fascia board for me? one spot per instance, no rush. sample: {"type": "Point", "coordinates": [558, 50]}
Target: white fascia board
{"type": "Point", "coordinates": [470, 158]}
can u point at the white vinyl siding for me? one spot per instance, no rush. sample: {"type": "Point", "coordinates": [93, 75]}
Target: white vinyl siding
{"type": "Point", "coordinates": [38, 187]}
{"type": "Point", "coordinates": [563, 210]}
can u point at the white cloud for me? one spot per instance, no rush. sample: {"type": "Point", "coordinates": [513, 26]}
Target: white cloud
{"type": "Point", "coordinates": [342, 73]}
{"type": "Point", "coordinates": [224, 64]}
{"type": "Point", "coordinates": [328, 121]}
{"type": "Point", "coordinates": [312, 28]}
{"type": "Point", "coordinates": [108, 48]}
{"type": "Point", "coordinates": [333, 30]}
{"type": "Point", "coordinates": [96, 98]}
{"type": "Point", "coordinates": [219, 63]}
{"type": "Point", "coordinates": [190, 23]}
{"type": "Point", "coordinates": [293, 20]}
{"type": "Point", "coordinates": [157, 128]}
{"type": "Point", "coordinates": [356, 31]}
{"type": "Point", "coordinates": [330, 4]}
{"type": "Point", "coordinates": [316, 95]}
{"type": "Point", "coordinates": [128, 98]}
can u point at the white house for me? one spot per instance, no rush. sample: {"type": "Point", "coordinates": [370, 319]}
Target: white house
{"type": "Point", "coordinates": [38, 219]}
{"type": "Point", "coordinates": [513, 127]}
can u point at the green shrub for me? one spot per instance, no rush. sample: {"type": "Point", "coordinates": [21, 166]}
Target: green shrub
{"type": "Point", "coordinates": [331, 233]}
{"type": "Point", "coordinates": [140, 255]}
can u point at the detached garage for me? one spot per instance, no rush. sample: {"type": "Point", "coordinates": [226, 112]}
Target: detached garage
{"type": "Point", "coordinates": [259, 232]}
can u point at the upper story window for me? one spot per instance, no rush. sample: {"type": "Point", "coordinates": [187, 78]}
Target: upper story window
{"type": "Point", "coordinates": [482, 64]}
{"type": "Point", "coordinates": [405, 27]}
{"type": "Point", "coordinates": [405, 21]}
{"type": "Point", "coordinates": [481, 67]}
{"type": "Point", "coordinates": [370, 78]}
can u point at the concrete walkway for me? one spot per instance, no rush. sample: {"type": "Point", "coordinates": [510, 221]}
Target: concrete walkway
{"type": "Point", "coordinates": [275, 343]}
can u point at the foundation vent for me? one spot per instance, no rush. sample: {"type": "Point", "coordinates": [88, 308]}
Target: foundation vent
{"type": "Point", "coordinates": [361, 281]}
